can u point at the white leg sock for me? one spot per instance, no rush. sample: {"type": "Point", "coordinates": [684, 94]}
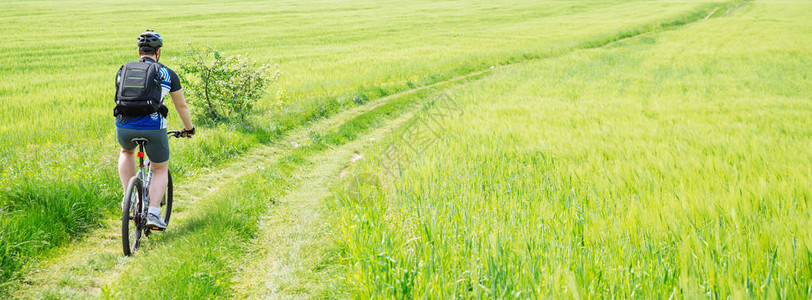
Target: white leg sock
{"type": "Point", "coordinates": [154, 211]}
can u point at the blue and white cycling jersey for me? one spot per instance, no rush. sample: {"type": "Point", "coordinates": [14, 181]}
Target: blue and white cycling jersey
{"type": "Point", "coordinates": [169, 83]}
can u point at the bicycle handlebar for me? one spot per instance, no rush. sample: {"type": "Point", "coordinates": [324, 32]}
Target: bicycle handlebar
{"type": "Point", "coordinates": [178, 133]}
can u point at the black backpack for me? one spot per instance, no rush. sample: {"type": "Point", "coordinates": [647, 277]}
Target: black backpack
{"type": "Point", "coordinates": [138, 90]}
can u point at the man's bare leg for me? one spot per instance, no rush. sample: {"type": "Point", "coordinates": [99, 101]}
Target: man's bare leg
{"type": "Point", "coordinates": [126, 167]}
{"type": "Point", "coordinates": [157, 187]}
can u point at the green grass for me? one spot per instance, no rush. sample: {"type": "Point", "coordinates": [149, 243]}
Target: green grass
{"type": "Point", "coordinates": [56, 138]}
{"type": "Point", "coordinates": [669, 164]}
{"type": "Point", "coordinates": [674, 164]}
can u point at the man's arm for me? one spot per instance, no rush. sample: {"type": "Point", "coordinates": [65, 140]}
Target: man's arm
{"type": "Point", "coordinates": [182, 108]}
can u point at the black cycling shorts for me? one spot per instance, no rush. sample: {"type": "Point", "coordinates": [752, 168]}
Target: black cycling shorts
{"type": "Point", "coordinates": [158, 147]}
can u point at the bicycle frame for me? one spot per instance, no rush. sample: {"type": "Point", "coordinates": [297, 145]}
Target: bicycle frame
{"type": "Point", "coordinates": [146, 178]}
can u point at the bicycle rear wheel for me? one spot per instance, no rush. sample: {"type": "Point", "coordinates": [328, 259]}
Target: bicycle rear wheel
{"type": "Point", "coordinates": [131, 216]}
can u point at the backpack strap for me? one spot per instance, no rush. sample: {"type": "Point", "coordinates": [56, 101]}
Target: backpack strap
{"type": "Point", "coordinates": [118, 81]}
{"type": "Point", "coordinates": [163, 110]}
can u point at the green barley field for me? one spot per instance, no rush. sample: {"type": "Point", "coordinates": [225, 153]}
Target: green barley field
{"type": "Point", "coordinates": [425, 149]}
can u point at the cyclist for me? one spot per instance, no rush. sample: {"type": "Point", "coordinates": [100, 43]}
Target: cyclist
{"type": "Point", "coordinates": [152, 127]}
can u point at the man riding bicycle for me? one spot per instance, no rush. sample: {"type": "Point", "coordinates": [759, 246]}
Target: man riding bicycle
{"type": "Point", "coordinates": [148, 123]}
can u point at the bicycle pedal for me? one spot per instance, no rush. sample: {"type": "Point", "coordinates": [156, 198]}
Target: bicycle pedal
{"type": "Point", "coordinates": [155, 228]}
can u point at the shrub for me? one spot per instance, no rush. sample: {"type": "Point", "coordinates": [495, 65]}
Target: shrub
{"type": "Point", "coordinates": [223, 88]}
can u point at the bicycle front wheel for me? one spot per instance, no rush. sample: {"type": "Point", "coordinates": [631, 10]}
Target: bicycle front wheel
{"type": "Point", "coordinates": [131, 216]}
{"type": "Point", "coordinates": [167, 201]}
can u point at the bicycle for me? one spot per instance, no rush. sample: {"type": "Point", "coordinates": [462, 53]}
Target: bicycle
{"type": "Point", "coordinates": [135, 203]}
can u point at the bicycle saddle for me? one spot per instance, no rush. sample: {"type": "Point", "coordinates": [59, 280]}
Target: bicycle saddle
{"type": "Point", "coordinates": [138, 139]}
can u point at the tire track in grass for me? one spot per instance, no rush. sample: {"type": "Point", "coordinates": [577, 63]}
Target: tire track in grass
{"type": "Point", "coordinates": [288, 258]}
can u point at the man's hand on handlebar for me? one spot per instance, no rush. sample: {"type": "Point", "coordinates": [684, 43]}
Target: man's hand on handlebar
{"type": "Point", "coordinates": [187, 133]}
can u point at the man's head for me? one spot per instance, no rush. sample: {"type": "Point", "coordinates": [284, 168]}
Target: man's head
{"type": "Point", "coordinates": [149, 44]}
